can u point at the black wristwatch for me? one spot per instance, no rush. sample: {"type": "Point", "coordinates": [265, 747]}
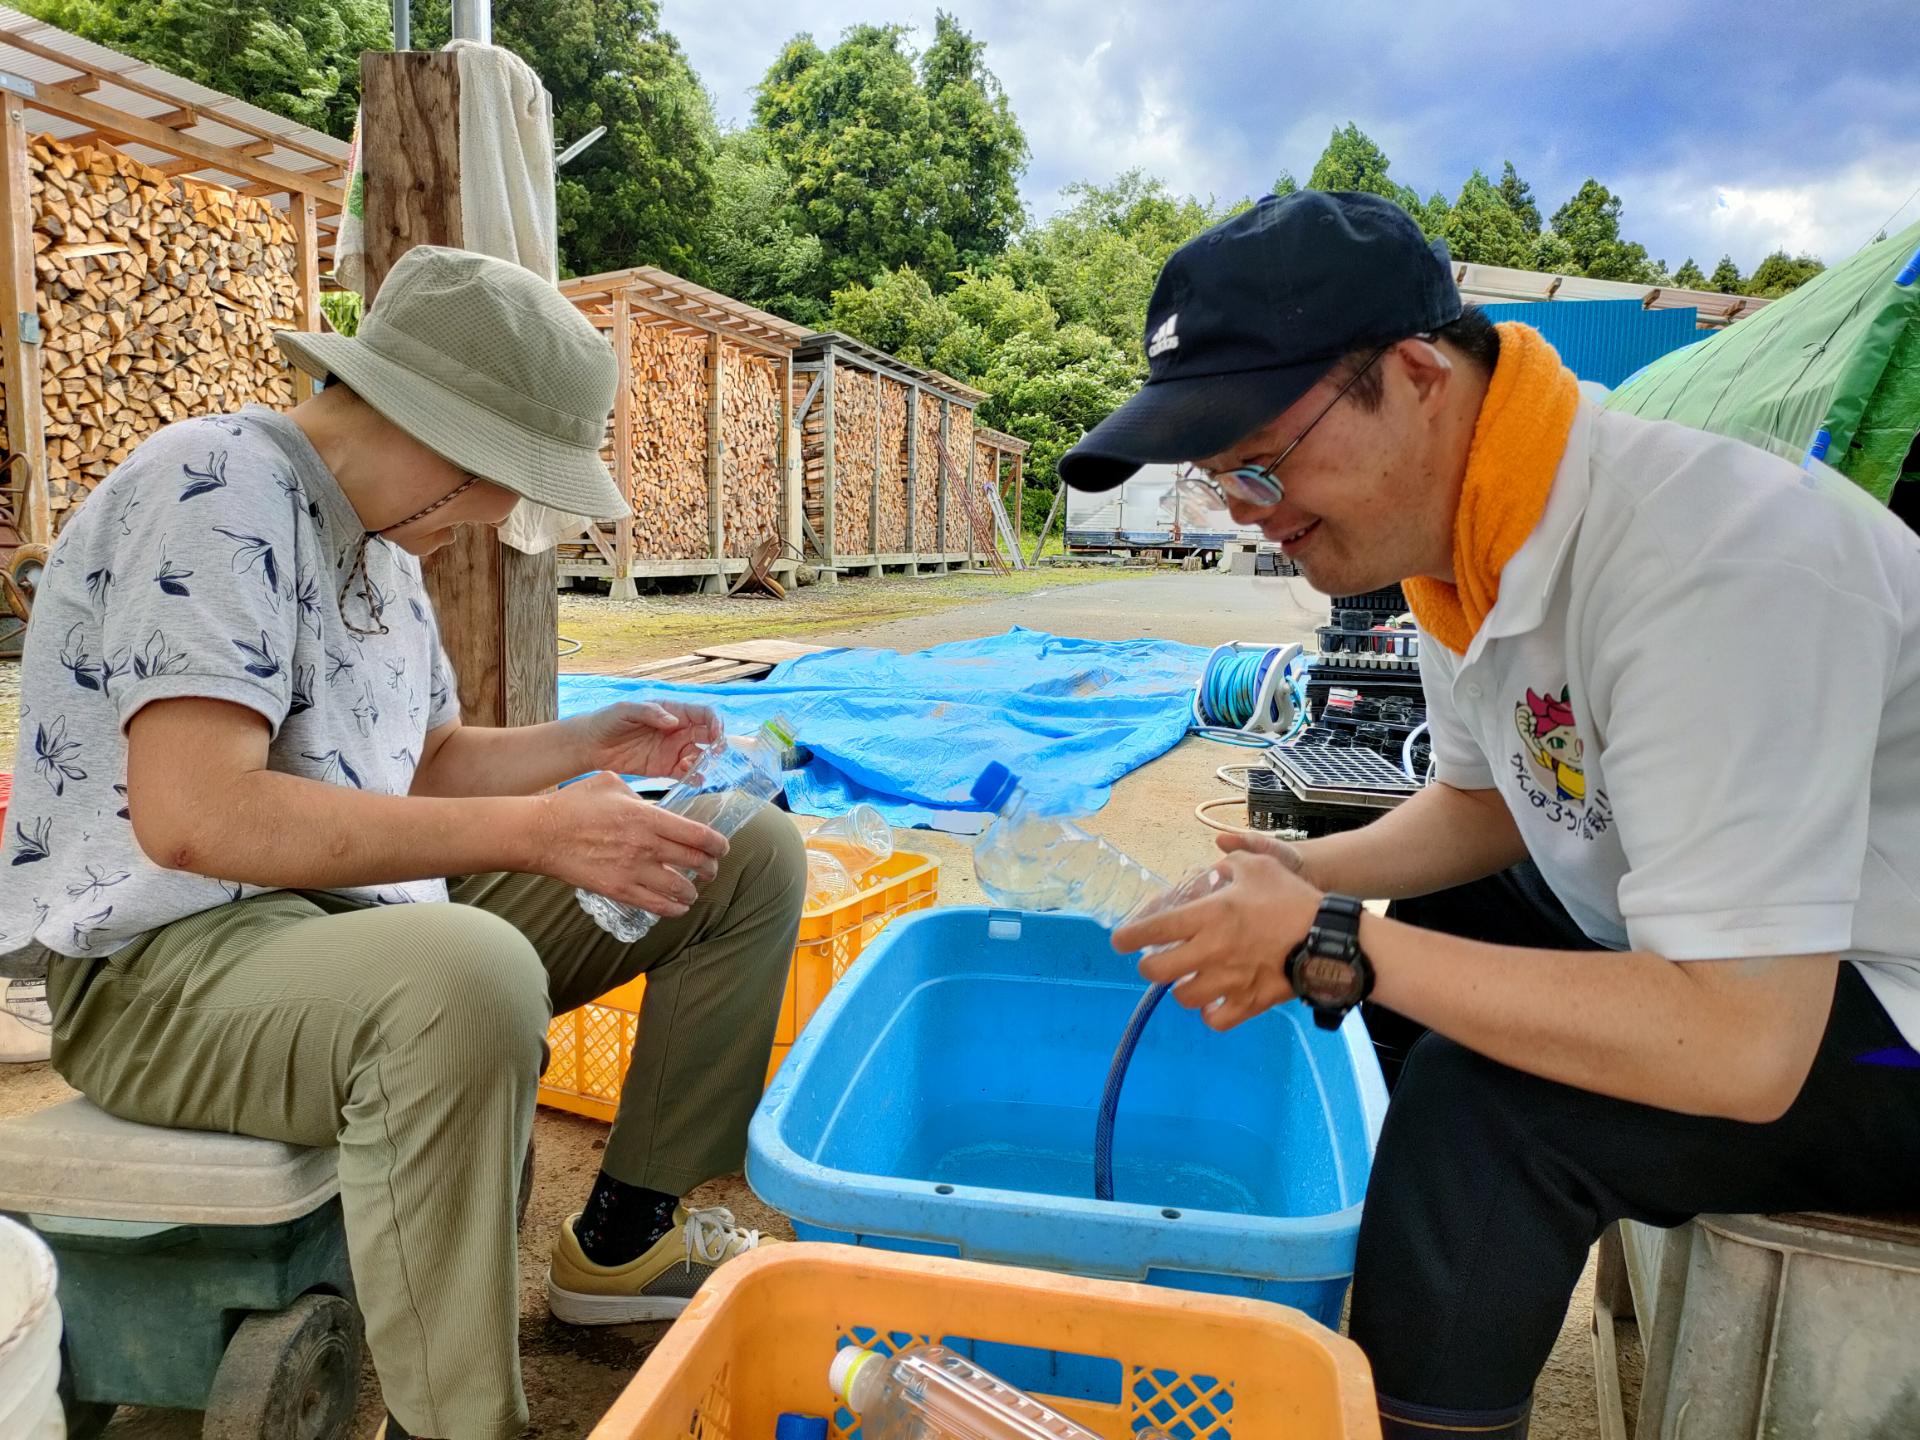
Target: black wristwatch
{"type": "Point", "coordinates": [1328, 970]}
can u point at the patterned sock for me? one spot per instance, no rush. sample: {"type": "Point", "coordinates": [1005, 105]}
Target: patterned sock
{"type": "Point", "coordinates": [622, 1221]}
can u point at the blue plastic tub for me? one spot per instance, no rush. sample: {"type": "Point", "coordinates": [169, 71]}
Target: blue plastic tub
{"type": "Point", "coordinates": [942, 1102]}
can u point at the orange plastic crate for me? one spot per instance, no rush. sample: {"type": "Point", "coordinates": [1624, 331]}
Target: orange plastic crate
{"type": "Point", "coordinates": [593, 1045]}
{"type": "Point", "coordinates": [759, 1336]}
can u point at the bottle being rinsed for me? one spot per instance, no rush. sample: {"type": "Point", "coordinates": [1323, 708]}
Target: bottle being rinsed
{"type": "Point", "coordinates": [930, 1393]}
{"type": "Point", "coordinates": [729, 782]}
{"type": "Point", "coordinates": [1029, 861]}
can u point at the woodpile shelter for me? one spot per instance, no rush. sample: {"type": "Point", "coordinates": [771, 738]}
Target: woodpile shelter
{"type": "Point", "coordinates": [155, 235]}
{"type": "Point", "coordinates": [700, 441]}
{"type": "Point", "coordinates": [889, 461]}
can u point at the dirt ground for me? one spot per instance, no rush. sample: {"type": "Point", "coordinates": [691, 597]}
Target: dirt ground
{"type": "Point", "coordinates": [572, 1375]}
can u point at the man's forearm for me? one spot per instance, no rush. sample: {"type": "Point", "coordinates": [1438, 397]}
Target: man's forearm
{"type": "Point", "coordinates": [284, 832]}
{"type": "Point", "coordinates": [516, 760]}
{"type": "Point", "coordinates": [1732, 1038]}
{"type": "Point", "coordinates": [1439, 837]}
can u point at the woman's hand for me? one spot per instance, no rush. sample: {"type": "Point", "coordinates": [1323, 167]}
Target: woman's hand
{"type": "Point", "coordinates": [599, 836]}
{"type": "Point", "coordinates": [1226, 953]}
{"type": "Point", "coordinates": [652, 739]}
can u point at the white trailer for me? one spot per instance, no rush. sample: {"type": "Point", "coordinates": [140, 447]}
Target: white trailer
{"type": "Point", "coordinates": [1140, 515]}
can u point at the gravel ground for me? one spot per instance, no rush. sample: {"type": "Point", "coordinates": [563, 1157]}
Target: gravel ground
{"type": "Point", "coordinates": [572, 1376]}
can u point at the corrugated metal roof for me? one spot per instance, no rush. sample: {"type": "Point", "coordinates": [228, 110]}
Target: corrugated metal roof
{"type": "Point", "coordinates": [1605, 340]}
{"type": "Point", "coordinates": [1489, 284]}
{"type": "Point", "coordinates": [46, 56]}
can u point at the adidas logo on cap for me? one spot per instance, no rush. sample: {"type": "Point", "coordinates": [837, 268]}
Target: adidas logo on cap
{"type": "Point", "coordinates": [1164, 338]}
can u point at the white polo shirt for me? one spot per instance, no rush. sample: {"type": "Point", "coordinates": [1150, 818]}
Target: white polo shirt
{"type": "Point", "coordinates": [1699, 695]}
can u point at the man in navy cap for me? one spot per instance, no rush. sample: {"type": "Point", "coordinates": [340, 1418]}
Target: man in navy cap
{"type": "Point", "coordinates": [1702, 993]}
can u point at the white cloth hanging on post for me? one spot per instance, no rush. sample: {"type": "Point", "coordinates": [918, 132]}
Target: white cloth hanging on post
{"type": "Point", "coordinates": [506, 209]}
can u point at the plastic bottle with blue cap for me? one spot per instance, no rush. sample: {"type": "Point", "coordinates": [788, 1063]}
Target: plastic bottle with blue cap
{"type": "Point", "coordinates": [929, 1392]}
{"type": "Point", "coordinates": [794, 1426]}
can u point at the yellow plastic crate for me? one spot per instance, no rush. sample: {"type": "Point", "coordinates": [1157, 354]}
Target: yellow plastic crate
{"type": "Point", "coordinates": [759, 1336]}
{"type": "Point", "coordinates": [592, 1046]}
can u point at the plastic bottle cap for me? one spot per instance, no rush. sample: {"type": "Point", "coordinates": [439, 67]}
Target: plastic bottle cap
{"type": "Point", "coordinates": [846, 1363]}
{"type": "Point", "coordinates": [799, 1427]}
{"type": "Point", "coordinates": [995, 784]}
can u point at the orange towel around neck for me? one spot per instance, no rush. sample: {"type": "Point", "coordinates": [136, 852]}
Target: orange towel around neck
{"type": "Point", "coordinates": [1517, 444]}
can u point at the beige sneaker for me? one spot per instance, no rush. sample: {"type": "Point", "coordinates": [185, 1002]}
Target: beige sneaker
{"type": "Point", "coordinates": [658, 1285]}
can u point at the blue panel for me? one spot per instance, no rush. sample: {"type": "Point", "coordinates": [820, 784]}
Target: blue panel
{"type": "Point", "coordinates": [1604, 340]}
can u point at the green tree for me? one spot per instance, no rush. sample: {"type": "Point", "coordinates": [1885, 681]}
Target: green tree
{"type": "Point", "coordinates": [1482, 228]}
{"type": "Point", "coordinates": [748, 247]}
{"type": "Point", "coordinates": [1727, 278]}
{"type": "Point", "coordinates": [1285, 185]}
{"type": "Point", "coordinates": [1097, 260]}
{"type": "Point", "coordinates": [1434, 215]}
{"type": "Point", "coordinates": [1518, 196]}
{"type": "Point", "coordinates": [1553, 255]}
{"type": "Point", "coordinates": [1352, 161]}
{"type": "Point", "coordinates": [1690, 276]}
{"type": "Point", "coordinates": [1781, 274]}
{"type": "Point", "coordinates": [297, 58]}
{"type": "Point", "coordinates": [1590, 224]}
{"type": "Point", "coordinates": [639, 195]}
{"type": "Point", "coordinates": [892, 165]}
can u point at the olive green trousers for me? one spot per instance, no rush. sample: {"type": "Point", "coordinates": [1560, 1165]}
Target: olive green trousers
{"type": "Point", "coordinates": [410, 1036]}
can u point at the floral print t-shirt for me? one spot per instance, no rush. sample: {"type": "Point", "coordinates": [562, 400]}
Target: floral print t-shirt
{"type": "Point", "coordinates": [209, 564]}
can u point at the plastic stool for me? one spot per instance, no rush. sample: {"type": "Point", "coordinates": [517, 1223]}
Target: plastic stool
{"type": "Point", "coordinates": [198, 1271]}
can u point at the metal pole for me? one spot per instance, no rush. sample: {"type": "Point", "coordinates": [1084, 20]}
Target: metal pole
{"type": "Point", "coordinates": [473, 20]}
{"type": "Point", "coordinates": [402, 24]}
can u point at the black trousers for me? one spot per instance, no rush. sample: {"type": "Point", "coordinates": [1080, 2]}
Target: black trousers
{"type": "Point", "coordinates": [1490, 1185]}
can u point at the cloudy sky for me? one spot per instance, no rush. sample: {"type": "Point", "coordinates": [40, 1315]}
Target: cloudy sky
{"type": "Point", "coordinates": [1724, 127]}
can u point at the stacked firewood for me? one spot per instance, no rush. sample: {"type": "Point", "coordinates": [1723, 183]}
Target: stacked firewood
{"type": "Point", "coordinates": [750, 461]}
{"type": "Point", "coordinates": [892, 512]}
{"type": "Point", "coordinates": [855, 424]}
{"type": "Point", "coordinates": [667, 384]}
{"type": "Point", "coordinates": [158, 300]}
{"type": "Point", "coordinates": [926, 494]}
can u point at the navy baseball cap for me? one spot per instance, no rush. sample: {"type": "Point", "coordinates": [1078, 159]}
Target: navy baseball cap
{"type": "Point", "coordinates": [1247, 317]}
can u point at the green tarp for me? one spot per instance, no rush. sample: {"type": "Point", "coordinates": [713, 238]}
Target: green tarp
{"type": "Point", "coordinates": [1840, 354]}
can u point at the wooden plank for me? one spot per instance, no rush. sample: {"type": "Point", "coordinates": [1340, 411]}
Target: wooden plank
{"type": "Point", "coordinates": [940, 501]}
{"type": "Point", "coordinates": [716, 447]}
{"type": "Point", "coordinates": [1019, 496]}
{"type": "Point", "coordinates": [770, 652]}
{"type": "Point", "coordinates": [212, 157]}
{"type": "Point", "coordinates": [498, 608]}
{"type": "Point", "coordinates": [19, 358]}
{"type": "Point", "coordinates": [791, 508]}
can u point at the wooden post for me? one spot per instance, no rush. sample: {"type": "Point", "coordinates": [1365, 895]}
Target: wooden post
{"type": "Point", "coordinates": [304, 214]}
{"type": "Point", "coordinates": [499, 610]}
{"type": "Point", "coordinates": [873, 492]}
{"type": "Point", "coordinates": [716, 583]}
{"type": "Point", "coordinates": [940, 497]}
{"type": "Point", "coordinates": [1019, 498]}
{"type": "Point", "coordinates": [621, 587]}
{"type": "Point", "coordinates": [26, 434]}
{"type": "Point", "coordinates": [973, 454]}
{"type": "Point", "coordinates": [827, 477]}
{"type": "Point", "coordinates": [792, 483]}
{"type": "Point", "coordinates": [913, 469]}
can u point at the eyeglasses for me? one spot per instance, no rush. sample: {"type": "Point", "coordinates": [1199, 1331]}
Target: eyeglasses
{"type": "Point", "coordinates": [1199, 492]}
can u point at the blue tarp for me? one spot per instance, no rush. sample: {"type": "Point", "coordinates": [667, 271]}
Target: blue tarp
{"type": "Point", "coordinates": [908, 733]}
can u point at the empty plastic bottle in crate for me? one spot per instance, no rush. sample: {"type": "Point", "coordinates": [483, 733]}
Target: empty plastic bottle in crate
{"type": "Point", "coordinates": [1026, 860]}
{"type": "Point", "coordinates": [859, 839]}
{"type": "Point", "coordinates": [931, 1393]}
{"type": "Point", "coordinates": [828, 882]}
{"type": "Point", "coordinates": [729, 782]}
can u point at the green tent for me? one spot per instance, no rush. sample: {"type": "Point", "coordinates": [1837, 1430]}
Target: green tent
{"type": "Point", "coordinates": [1832, 370]}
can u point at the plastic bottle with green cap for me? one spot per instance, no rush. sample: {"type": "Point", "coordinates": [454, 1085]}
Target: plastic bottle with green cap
{"type": "Point", "coordinates": [729, 782]}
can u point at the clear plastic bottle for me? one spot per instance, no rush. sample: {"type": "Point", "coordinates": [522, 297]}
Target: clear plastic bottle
{"type": "Point", "coordinates": [828, 882]}
{"type": "Point", "coordinates": [859, 839]}
{"type": "Point", "coordinates": [728, 784]}
{"type": "Point", "coordinates": [931, 1393]}
{"type": "Point", "coordinates": [1029, 861]}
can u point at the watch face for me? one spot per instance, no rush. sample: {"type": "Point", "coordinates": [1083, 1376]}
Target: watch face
{"type": "Point", "coordinates": [1329, 981]}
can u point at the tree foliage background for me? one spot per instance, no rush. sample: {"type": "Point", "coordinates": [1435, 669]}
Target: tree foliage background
{"type": "Point", "coordinates": [875, 189]}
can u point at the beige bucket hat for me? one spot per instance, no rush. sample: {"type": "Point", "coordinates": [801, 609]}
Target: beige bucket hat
{"type": "Point", "coordinates": [488, 366]}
